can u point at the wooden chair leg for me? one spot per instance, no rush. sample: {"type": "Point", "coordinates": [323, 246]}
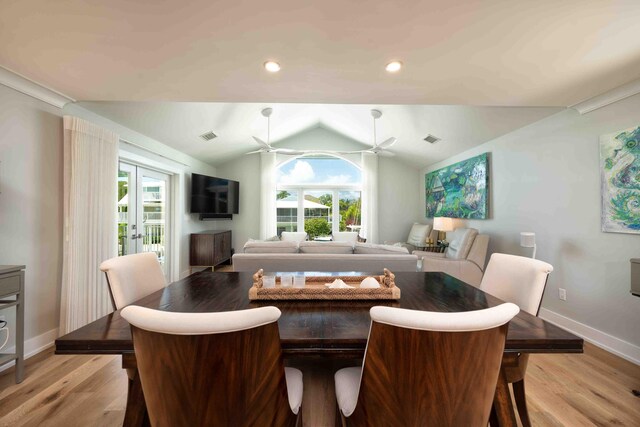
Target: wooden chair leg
{"type": "Point", "coordinates": [502, 403]}
{"type": "Point", "coordinates": [521, 402]}
{"type": "Point", "coordinates": [340, 421]}
{"type": "Point", "coordinates": [493, 417]}
{"type": "Point", "coordinates": [136, 411]}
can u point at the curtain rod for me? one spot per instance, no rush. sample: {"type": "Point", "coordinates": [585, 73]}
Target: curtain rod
{"type": "Point", "coordinates": [153, 152]}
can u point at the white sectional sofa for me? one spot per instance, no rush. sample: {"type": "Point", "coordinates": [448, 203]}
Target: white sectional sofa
{"type": "Point", "coordinates": [323, 256]}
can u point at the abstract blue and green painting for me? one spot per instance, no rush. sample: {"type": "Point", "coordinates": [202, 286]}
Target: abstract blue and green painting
{"type": "Point", "coordinates": [459, 190]}
{"type": "Point", "coordinates": [620, 180]}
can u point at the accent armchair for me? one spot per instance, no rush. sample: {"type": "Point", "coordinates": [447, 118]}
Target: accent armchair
{"type": "Point", "coordinates": [464, 258]}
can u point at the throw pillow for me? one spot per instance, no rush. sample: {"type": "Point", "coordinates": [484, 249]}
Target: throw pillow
{"type": "Point", "coordinates": [418, 234]}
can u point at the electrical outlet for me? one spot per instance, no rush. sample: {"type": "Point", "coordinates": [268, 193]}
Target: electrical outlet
{"type": "Point", "coordinates": [562, 294]}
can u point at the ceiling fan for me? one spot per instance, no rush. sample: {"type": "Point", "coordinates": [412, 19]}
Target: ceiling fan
{"type": "Point", "coordinates": [377, 148]}
{"type": "Point", "coordinates": [265, 147]}
{"type": "Point", "coordinates": [380, 149]}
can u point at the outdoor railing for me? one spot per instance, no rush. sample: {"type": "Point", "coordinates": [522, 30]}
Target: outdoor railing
{"type": "Point", "coordinates": [153, 240]}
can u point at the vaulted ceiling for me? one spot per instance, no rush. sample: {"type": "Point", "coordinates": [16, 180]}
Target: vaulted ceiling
{"type": "Point", "coordinates": [180, 124]}
{"type": "Point", "coordinates": [469, 65]}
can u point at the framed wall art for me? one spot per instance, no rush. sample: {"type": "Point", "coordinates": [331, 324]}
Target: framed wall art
{"type": "Point", "coordinates": [459, 190]}
{"type": "Point", "coordinates": [620, 181]}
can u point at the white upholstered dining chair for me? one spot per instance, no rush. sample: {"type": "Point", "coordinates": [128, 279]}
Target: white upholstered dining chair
{"type": "Point", "coordinates": [214, 369]}
{"type": "Point", "coordinates": [521, 281]}
{"type": "Point", "coordinates": [132, 277]}
{"type": "Point", "coordinates": [424, 368]}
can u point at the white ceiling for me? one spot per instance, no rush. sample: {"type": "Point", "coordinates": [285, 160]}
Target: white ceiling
{"type": "Point", "coordinates": [143, 56]}
{"type": "Point", "coordinates": [466, 52]}
{"type": "Point", "coordinates": [179, 124]}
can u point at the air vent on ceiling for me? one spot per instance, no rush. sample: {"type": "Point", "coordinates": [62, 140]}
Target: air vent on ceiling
{"type": "Point", "coordinates": [431, 139]}
{"type": "Point", "coordinates": [208, 136]}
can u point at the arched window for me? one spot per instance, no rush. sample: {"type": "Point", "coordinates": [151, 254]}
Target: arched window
{"type": "Point", "coordinates": [327, 190]}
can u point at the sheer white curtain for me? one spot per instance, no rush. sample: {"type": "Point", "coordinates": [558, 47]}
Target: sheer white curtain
{"type": "Point", "coordinates": [90, 228]}
{"type": "Point", "coordinates": [370, 197]}
{"type": "Point", "coordinates": [267, 195]}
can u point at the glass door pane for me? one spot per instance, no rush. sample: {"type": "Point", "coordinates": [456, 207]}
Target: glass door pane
{"type": "Point", "coordinates": [153, 214]}
{"type": "Point", "coordinates": [143, 213]}
{"type": "Point", "coordinates": [126, 209]}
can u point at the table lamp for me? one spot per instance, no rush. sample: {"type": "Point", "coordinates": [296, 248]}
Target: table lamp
{"type": "Point", "coordinates": [442, 224]}
{"type": "Point", "coordinates": [528, 240]}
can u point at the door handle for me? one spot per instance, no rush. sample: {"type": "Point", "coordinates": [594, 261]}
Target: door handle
{"type": "Point", "coordinates": [137, 236]}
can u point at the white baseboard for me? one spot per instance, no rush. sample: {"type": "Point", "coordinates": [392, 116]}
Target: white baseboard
{"type": "Point", "coordinates": [624, 349]}
{"type": "Point", "coordinates": [34, 346]}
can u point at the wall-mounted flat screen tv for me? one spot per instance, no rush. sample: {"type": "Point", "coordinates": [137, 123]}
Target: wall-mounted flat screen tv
{"type": "Point", "coordinates": [211, 195]}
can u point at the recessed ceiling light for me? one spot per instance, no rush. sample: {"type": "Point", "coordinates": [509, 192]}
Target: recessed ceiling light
{"type": "Point", "coordinates": [272, 66]}
{"type": "Point", "coordinates": [393, 66]}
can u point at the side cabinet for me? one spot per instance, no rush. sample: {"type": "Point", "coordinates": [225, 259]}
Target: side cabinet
{"type": "Point", "coordinates": [209, 248]}
{"type": "Point", "coordinates": [12, 295]}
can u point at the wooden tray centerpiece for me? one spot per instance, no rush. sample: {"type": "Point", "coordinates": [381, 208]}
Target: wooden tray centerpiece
{"type": "Point", "coordinates": [315, 288]}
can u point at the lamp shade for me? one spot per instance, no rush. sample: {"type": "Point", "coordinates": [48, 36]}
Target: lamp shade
{"type": "Point", "coordinates": [527, 239]}
{"type": "Point", "coordinates": [442, 223]}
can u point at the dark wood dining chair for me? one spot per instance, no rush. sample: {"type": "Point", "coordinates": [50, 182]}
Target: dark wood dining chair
{"type": "Point", "coordinates": [425, 369]}
{"type": "Point", "coordinates": [522, 281]}
{"type": "Point", "coordinates": [214, 369]}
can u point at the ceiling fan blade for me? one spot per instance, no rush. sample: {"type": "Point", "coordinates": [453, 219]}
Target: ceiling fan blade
{"type": "Point", "coordinates": [385, 153]}
{"type": "Point", "coordinates": [262, 143]}
{"type": "Point", "coordinates": [256, 151]}
{"type": "Point", "coordinates": [289, 151]}
{"type": "Point", "coordinates": [350, 152]}
{"type": "Point", "coordinates": [387, 143]}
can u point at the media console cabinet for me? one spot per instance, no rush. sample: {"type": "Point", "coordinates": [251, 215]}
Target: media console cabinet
{"type": "Point", "coordinates": [209, 248]}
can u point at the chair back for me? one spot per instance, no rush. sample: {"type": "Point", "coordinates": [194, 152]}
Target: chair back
{"type": "Point", "coordinates": [431, 369]}
{"type": "Point", "coordinates": [517, 279]}
{"type": "Point", "coordinates": [211, 369]}
{"type": "Point", "coordinates": [132, 277]}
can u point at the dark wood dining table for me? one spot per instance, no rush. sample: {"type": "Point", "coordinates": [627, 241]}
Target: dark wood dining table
{"type": "Point", "coordinates": [315, 329]}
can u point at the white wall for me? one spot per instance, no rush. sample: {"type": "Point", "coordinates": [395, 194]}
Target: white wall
{"type": "Point", "coordinates": [31, 141]}
{"type": "Point", "coordinates": [398, 197]}
{"type": "Point", "coordinates": [31, 205]}
{"type": "Point", "coordinates": [168, 160]}
{"type": "Point", "coordinates": [246, 224]}
{"type": "Point", "coordinates": [545, 178]}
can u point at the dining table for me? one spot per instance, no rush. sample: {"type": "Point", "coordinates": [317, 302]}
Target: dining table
{"type": "Point", "coordinates": [316, 329]}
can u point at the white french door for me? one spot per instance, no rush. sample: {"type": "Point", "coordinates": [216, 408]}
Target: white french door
{"type": "Point", "coordinates": [143, 213]}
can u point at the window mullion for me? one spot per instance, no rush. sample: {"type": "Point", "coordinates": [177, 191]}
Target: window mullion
{"type": "Point", "coordinates": [335, 207]}
{"type": "Point", "coordinates": [300, 209]}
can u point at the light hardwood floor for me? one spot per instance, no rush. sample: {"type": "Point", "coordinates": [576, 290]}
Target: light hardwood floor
{"type": "Point", "coordinates": [571, 390]}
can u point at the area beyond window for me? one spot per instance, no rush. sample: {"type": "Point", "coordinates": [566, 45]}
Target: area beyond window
{"type": "Point", "coordinates": [328, 190]}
